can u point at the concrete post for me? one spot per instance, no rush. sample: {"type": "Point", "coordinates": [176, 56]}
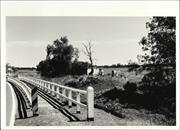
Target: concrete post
{"type": "Point", "coordinates": [41, 85]}
{"type": "Point", "coordinates": [49, 86]}
{"type": "Point", "coordinates": [64, 94]}
{"type": "Point", "coordinates": [34, 101]}
{"type": "Point", "coordinates": [90, 103]}
{"type": "Point", "coordinates": [46, 89]}
{"type": "Point", "coordinates": [70, 97]}
{"type": "Point", "coordinates": [57, 90]}
{"type": "Point", "coordinates": [44, 86]}
{"type": "Point", "coordinates": [78, 100]}
{"type": "Point", "coordinates": [54, 90]}
{"type": "Point", "coordinates": [51, 89]}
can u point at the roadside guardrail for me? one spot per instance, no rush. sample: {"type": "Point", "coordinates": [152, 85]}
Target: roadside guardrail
{"type": "Point", "coordinates": [59, 91]}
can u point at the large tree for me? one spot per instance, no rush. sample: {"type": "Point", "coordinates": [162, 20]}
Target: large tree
{"type": "Point", "coordinates": [160, 43]}
{"type": "Point", "coordinates": [59, 58]}
{"type": "Point", "coordinates": [160, 55]}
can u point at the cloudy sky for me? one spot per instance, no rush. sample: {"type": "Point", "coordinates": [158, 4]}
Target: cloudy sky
{"type": "Point", "coordinates": [114, 39]}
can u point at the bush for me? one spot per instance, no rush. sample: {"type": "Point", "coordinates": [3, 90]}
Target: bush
{"type": "Point", "coordinates": [79, 68]}
{"type": "Point", "coordinates": [130, 87]}
{"type": "Point", "coordinates": [72, 83]}
{"type": "Point", "coordinates": [160, 84]}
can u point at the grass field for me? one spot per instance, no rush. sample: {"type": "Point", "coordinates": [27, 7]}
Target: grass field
{"type": "Point", "coordinates": [111, 97]}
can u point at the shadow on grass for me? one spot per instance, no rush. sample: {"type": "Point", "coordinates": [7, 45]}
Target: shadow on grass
{"type": "Point", "coordinates": [125, 99]}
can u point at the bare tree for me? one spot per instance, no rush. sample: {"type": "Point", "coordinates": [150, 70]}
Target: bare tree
{"type": "Point", "coordinates": [88, 52]}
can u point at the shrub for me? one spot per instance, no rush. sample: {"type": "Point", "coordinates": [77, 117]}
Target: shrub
{"type": "Point", "coordinates": [79, 68]}
{"type": "Point", "coordinates": [72, 83]}
{"type": "Point", "coordinates": [130, 87]}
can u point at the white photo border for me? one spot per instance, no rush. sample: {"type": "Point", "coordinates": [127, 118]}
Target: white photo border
{"type": "Point", "coordinates": [86, 8]}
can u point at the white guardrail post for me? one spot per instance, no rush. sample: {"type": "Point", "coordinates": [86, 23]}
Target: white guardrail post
{"type": "Point", "coordinates": [57, 90]}
{"type": "Point", "coordinates": [90, 103]}
{"type": "Point", "coordinates": [64, 94]}
{"type": "Point", "coordinates": [70, 97]}
{"type": "Point", "coordinates": [50, 86]}
{"type": "Point", "coordinates": [54, 90]}
{"type": "Point", "coordinates": [78, 100]}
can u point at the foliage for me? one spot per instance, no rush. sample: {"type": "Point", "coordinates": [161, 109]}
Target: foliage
{"type": "Point", "coordinates": [160, 43]}
{"type": "Point", "coordinates": [79, 68]}
{"type": "Point", "coordinates": [161, 85]}
{"type": "Point", "coordinates": [45, 68]}
{"type": "Point", "coordinates": [130, 87]}
{"type": "Point", "coordinates": [61, 59]}
{"type": "Point", "coordinates": [160, 53]}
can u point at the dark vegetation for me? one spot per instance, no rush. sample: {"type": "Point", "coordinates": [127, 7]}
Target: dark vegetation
{"type": "Point", "coordinates": [61, 59]}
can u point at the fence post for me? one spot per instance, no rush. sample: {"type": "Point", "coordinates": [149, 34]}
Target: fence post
{"type": "Point", "coordinates": [41, 85]}
{"type": "Point", "coordinates": [57, 90]}
{"type": "Point", "coordinates": [51, 89]}
{"type": "Point", "coordinates": [78, 100]}
{"type": "Point", "coordinates": [90, 103]}
{"type": "Point", "coordinates": [70, 97]}
{"type": "Point", "coordinates": [45, 84]}
{"type": "Point", "coordinates": [64, 94]}
{"type": "Point", "coordinates": [34, 97]}
{"type": "Point", "coordinates": [54, 89]}
{"type": "Point", "coordinates": [45, 87]}
{"type": "Point", "coordinates": [49, 86]}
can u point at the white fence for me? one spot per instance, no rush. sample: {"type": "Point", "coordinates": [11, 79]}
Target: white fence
{"type": "Point", "coordinates": [59, 91]}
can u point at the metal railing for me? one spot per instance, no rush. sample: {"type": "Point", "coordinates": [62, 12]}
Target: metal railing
{"type": "Point", "coordinates": [65, 93]}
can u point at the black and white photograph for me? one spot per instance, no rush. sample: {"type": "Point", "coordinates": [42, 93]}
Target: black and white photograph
{"type": "Point", "coordinates": [78, 71]}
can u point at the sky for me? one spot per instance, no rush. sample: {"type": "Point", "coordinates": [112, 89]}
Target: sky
{"type": "Point", "coordinates": [114, 39]}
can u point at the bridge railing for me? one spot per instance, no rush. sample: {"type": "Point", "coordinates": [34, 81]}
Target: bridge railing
{"type": "Point", "coordinates": [11, 105]}
{"type": "Point", "coordinates": [65, 93]}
